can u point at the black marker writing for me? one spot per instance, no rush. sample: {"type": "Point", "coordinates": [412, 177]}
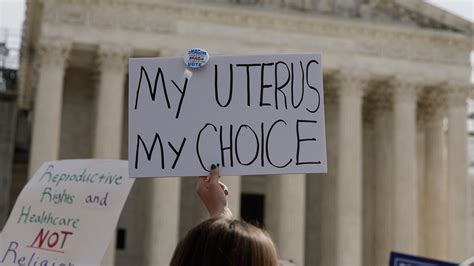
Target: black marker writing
{"type": "Point", "coordinates": [299, 140]}
{"type": "Point", "coordinates": [183, 92]}
{"type": "Point", "coordinates": [159, 75]}
{"type": "Point", "coordinates": [231, 86]}
{"type": "Point", "coordinates": [149, 152]}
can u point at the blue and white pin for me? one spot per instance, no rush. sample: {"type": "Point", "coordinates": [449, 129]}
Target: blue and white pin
{"type": "Point", "coordinates": [194, 58]}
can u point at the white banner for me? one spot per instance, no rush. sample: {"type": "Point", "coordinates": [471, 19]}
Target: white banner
{"type": "Point", "coordinates": [66, 214]}
{"type": "Point", "coordinates": [261, 114]}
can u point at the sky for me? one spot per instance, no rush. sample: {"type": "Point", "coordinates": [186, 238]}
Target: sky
{"type": "Point", "coordinates": [12, 15]}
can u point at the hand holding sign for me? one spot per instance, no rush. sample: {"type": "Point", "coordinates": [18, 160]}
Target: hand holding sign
{"type": "Point", "coordinates": [213, 194]}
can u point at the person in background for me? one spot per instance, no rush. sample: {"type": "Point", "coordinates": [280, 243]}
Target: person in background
{"type": "Point", "coordinates": [223, 240]}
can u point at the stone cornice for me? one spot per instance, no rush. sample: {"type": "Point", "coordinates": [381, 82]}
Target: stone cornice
{"type": "Point", "coordinates": [400, 42]}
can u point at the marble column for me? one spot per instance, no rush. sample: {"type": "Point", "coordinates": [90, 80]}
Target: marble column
{"type": "Point", "coordinates": [112, 68]}
{"type": "Point", "coordinates": [192, 210]}
{"type": "Point", "coordinates": [285, 214]}
{"type": "Point", "coordinates": [349, 180]}
{"type": "Point", "coordinates": [421, 171]}
{"type": "Point", "coordinates": [383, 172]}
{"type": "Point", "coordinates": [162, 222]}
{"type": "Point", "coordinates": [325, 6]}
{"type": "Point", "coordinates": [405, 185]}
{"type": "Point", "coordinates": [329, 210]}
{"type": "Point", "coordinates": [321, 189]}
{"type": "Point", "coordinates": [348, 8]}
{"type": "Point", "coordinates": [458, 215]}
{"type": "Point", "coordinates": [434, 199]}
{"type": "Point", "coordinates": [187, 202]}
{"type": "Point", "coordinates": [113, 63]}
{"type": "Point", "coordinates": [53, 54]}
{"type": "Point", "coordinates": [314, 239]}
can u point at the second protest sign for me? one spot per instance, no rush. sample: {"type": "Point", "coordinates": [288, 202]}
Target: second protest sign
{"type": "Point", "coordinates": [261, 114]}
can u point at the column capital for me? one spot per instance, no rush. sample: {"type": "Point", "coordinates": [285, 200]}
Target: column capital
{"type": "Point", "coordinates": [113, 57]}
{"type": "Point", "coordinates": [330, 96]}
{"type": "Point", "coordinates": [352, 84]}
{"type": "Point", "coordinates": [432, 105]}
{"type": "Point", "coordinates": [380, 98]}
{"type": "Point", "coordinates": [330, 87]}
{"type": "Point", "coordinates": [405, 90]}
{"type": "Point", "coordinates": [457, 95]}
{"type": "Point", "coordinates": [54, 51]}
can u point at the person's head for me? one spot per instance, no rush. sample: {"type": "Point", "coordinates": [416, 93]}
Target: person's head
{"type": "Point", "coordinates": [225, 242]}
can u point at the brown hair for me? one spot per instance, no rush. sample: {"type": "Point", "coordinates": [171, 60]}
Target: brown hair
{"type": "Point", "coordinates": [225, 242]}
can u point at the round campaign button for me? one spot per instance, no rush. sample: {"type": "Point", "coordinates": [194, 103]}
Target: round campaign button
{"type": "Point", "coordinates": [196, 57]}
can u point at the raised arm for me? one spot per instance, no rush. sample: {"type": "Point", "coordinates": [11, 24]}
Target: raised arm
{"type": "Point", "coordinates": [213, 194]}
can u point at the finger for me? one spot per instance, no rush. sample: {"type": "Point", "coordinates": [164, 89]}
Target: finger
{"type": "Point", "coordinates": [224, 188]}
{"type": "Point", "coordinates": [214, 176]}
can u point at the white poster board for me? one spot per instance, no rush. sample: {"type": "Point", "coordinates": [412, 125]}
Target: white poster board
{"type": "Point", "coordinates": [66, 214]}
{"type": "Point", "coordinates": [260, 114]}
{"type": "Point", "coordinates": [468, 262]}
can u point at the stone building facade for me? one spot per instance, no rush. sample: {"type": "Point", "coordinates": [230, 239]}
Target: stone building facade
{"type": "Point", "coordinates": [396, 81]}
{"type": "Point", "coordinates": [7, 136]}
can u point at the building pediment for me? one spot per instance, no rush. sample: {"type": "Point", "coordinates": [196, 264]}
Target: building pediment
{"type": "Point", "coordinates": [419, 13]}
{"type": "Point", "coordinates": [416, 13]}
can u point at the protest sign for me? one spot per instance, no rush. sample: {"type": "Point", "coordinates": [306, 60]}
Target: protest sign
{"type": "Point", "coordinates": [261, 114]}
{"type": "Point", "coordinates": [66, 214]}
{"type": "Point", "coordinates": [468, 262]}
{"type": "Point", "coordinates": [398, 259]}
